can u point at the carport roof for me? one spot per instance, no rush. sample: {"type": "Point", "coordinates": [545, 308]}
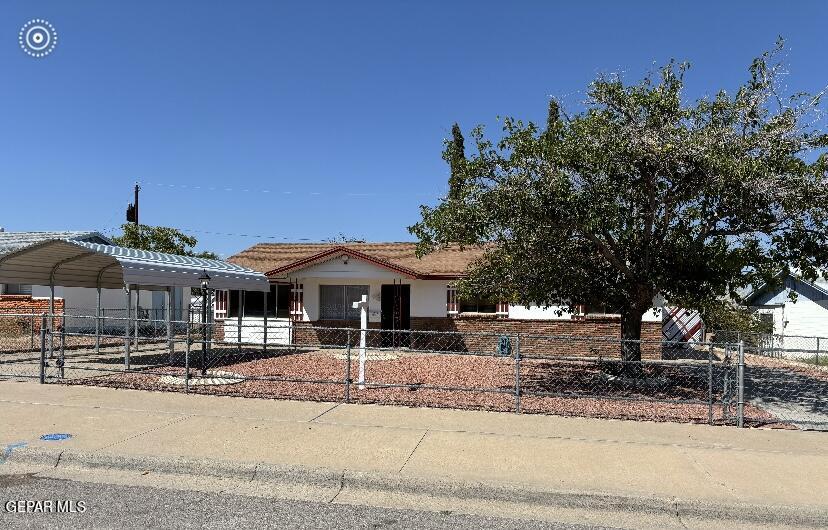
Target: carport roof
{"type": "Point", "coordinates": [82, 264]}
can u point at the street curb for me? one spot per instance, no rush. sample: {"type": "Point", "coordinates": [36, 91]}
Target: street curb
{"type": "Point", "coordinates": [347, 480]}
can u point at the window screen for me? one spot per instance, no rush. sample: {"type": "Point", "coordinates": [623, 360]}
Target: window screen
{"type": "Point", "coordinates": [336, 301]}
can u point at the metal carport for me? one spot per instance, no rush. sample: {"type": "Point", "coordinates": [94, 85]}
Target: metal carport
{"type": "Point", "coordinates": [80, 264]}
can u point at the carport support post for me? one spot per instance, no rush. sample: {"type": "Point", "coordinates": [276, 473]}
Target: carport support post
{"type": "Point", "coordinates": [98, 320]}
{"type": "Point", "coordinates": [137, 314]}
{"type": "Point", "coordinates": [168, 313]}
{"type": "Point", "coordinates": [740, 410]}
{"type": "Point", "coordinates": [127, 338]}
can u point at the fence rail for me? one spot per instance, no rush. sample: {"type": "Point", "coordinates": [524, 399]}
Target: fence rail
{"type": "Point", "coordinates": [712, 382]}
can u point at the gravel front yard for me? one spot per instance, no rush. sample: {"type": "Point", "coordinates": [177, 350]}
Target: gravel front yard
{"type": "Point", "coordinates": [547, 386]}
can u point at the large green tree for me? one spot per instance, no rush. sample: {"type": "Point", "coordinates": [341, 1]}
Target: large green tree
{"type": "Point", "coordinates": [641, 193]}
{"type": "Point", "coordinates": [160, 239]}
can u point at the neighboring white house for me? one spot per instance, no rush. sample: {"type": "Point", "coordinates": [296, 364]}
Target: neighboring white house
{"type": "Point", "coordinates": [807, 316]}
{"type": "Point", "coordinates": [317, 283]}
{"type": "Point", "coordinates": [78, 300]}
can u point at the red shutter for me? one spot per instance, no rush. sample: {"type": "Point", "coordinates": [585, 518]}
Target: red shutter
{"type": "Point", "coordinates": [297, 302]}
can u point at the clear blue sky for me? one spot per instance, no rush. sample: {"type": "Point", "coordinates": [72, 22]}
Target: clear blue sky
{"type": "Point", "coordinates": [337, 108]}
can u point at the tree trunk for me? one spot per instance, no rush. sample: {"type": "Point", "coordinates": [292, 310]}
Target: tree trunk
{"type": "Point", "coordinates": [631, 334]}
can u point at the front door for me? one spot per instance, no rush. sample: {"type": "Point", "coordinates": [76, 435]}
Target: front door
{"type": "Point", "coordinates": [395, 312]}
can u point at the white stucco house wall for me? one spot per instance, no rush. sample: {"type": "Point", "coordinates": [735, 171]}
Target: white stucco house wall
{"type": "Point", "coordinates": [316, 283]}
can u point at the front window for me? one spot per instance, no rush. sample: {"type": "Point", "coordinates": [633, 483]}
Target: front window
{"type": "Point", "coordinates": [252, 303]}
{"type": "Point", "coordinates": [478, 305]}
{"type": "Point", "coordinates": [336, 301]}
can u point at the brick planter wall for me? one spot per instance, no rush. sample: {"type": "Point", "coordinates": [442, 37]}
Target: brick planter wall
{"type": "Point", "coordinates": [24, 304]}
{"type": "Point", "coordinates": [538, 336]}
{"type": "Point", "coordinates": [481, 333]}
{"type": "Point", "coordinates": [313, 333]}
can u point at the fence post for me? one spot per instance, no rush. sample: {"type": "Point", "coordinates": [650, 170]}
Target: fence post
{"type": "Point", "coordinates": [187, 361]}
{"type": "Point", "coordinates": [43, 349]}
{"type": "Point", "coordinates": [31, 329]}
{"type": "Point", "coordinates": [710, 384]}
{"type": "Point", "coordinates": [816, 359]}
{"type": "Point", "coordinates": [348, 368]}
{"type": "Point", "coordinates": [517, 374]}
{"type": "Point", "coordinates": [264, 331]}
{"type": "Point", "coordinates": [127, 338]}
{"type": "Point", "coordinates": [62, 355]}
{"type": "Point", "coordinates": [740, 410]}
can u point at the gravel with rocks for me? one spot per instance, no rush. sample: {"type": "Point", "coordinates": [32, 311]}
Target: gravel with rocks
{"type": "Point", "coordinates": [547, 387]}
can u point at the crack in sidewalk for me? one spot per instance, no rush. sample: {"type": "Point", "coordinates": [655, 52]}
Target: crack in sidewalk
{"type": "Point", "coordinates": [159, 427]}
{"type": "Point", "coordinates": [678, 513]}
{"type": "Point", "coordinates": [412, 451]}
{"type": "Point", "coordinates": [325, 412]}
{"type": "Point", "coordinates": [341, 486]}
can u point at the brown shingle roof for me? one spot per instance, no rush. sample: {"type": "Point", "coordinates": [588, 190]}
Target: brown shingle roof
{"type": "Point", "coordinates": [285, 257]}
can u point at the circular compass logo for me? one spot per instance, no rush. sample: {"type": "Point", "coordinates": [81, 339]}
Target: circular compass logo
{"type": "Point", "coordinates": [37, 37]}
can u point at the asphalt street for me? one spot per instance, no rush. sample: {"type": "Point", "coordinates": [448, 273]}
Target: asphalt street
{"type": "Point", "coordinates": [112, 506]}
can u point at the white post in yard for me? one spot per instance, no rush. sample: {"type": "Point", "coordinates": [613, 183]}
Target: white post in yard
{"type": "Point", "coordinates": [363, 331]}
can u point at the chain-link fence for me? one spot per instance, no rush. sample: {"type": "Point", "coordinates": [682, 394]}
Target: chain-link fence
{"type": "Point", "coordinates": [278, 358]}
{"type": "Point", "coordinates": [786, 375]}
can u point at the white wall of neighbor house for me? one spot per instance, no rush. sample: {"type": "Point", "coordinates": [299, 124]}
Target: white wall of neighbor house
{"type": "Point", "coordinates": [85, 298]}
{"type": "Point", "coordinates": [804, 317]}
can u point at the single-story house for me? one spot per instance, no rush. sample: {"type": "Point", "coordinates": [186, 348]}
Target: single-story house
{"type": "Point", "coordinates": [807, 316]}
{"type": "Point", "coordinates": [24, 298]}
{"type": "Point", "coordinates": [316, 284]}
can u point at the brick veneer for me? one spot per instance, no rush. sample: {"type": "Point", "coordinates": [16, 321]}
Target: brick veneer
{"type": "Point", "coordinates": [480, 333]}
{"type": "Point", "coordinates": [314, 332]}
{"type": "Point", "coordinates": [25, 304]}
{"type": "Point", "coordinates": [538, 336]}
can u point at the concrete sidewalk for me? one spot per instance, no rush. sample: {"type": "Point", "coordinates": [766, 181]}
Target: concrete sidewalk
{"type": "Point", "coordinates": [400, 456]}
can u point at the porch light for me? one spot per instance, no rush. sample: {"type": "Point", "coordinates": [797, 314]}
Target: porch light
{"type": "Point", "coordinates": [205, 279]}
